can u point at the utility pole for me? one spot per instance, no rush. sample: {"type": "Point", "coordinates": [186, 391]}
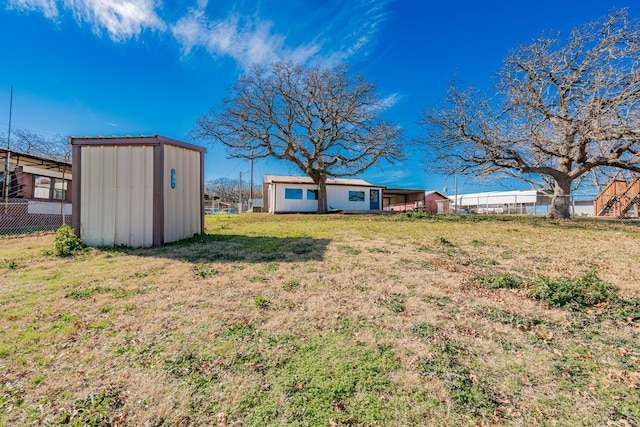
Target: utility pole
{"type": "Point", "coordinates": [250, 204]}
{"type": "Point", "coordinates": [7, 181]}
{"type": "Point", "coordinates": [455, 205]}
{"type": "Point", "coordinates": [240, 193]}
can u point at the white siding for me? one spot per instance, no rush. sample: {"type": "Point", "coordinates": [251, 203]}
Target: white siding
{"type": "Point", "coordinates": [182, 208]}
{"type": "Point", "coordinates": [582, 208]}
{"type": "Point", "coordinates": [49, 208]}
{"type": "Point", "coordinates": [116, 195]}
{"type": "Point", "coordinates": [46, 172]}
{"type": "Point", "coordinates": [337, 198]}
{"type": "Point", "coordinates": [278, 203]}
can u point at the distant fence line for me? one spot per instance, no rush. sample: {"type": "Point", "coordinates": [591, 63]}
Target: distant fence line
{"type": "Point", "coordinates": [580, 205]}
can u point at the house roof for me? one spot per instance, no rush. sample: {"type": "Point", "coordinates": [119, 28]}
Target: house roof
{"type": "Point", "coordinates": [284, 179]}
{"type": "Point", "coordinates": [133, 140]}
{"type": "Point", "coordinates": [428, 193]}
{"type": "Point", "coordinates": [25, 159]}
{"type": "Point", "coordinates": [401, 191]}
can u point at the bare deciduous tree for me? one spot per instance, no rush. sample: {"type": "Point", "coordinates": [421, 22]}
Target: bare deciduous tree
{"type": "Point", "coordinates": [228, 190]}
{"type": "Point", "coordinates": [29, 142]}
{"type": "Point", "coordinates": [324, 121]}
{"type": "Point", "coordinates": [561, 110]}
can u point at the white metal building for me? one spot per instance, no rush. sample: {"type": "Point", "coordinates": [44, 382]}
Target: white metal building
{"type": "Point", "coordinates": [508, 202]}
{"type": "Point", "coordinates": [137, 191]}
{"type": "Point", "coordinates": [288, 194]}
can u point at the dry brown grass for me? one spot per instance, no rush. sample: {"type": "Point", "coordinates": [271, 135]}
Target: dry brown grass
{"type": "Point", "coordinates": [331, 320]}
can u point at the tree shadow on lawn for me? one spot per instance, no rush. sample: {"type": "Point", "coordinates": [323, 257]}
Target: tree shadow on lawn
{"type": "Point", "coordinates": [236, 248]}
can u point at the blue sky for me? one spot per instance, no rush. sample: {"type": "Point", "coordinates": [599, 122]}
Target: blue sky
{"type": "Point", "coordinates": [141, 67]}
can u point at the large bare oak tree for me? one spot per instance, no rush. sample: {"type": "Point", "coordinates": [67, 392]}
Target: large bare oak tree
{"type": "Point", "coordinates": [561, 109]}
{"type": "Point", "coordinates": [323, 120]}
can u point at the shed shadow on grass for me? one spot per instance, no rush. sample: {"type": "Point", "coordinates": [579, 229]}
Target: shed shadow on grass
{"type": "Point", "coordinates": [237, 248]}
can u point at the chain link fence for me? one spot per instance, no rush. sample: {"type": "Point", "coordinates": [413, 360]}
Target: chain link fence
{"type": "Point", "coordinates": [34, 195]}
{"type": "Point", "coordinates": [523, 203]}
{"type": "Point", "coordinates": [20, 216]}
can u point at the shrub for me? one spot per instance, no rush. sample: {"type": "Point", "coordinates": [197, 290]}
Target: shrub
{"type": "Point", "coordinates": [584, 291]}
{"type": "Point", "coordinates": [499, 281]}
{"type": "Point", "coordinates": [66, 243]}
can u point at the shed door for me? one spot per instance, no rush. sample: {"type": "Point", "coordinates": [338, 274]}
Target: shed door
{"type": "Point", "coordinates": [374, 200]}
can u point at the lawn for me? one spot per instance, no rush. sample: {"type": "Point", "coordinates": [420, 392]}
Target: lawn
{"type": "Point", "coordinates": [305, 320]}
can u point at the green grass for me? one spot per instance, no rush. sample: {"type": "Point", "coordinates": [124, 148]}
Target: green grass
{"type": "Point", "coordinates": [261, 301]}
{"type": "Point", "coordinates": [321, 380]}
{"type": "Point", "coordinates": [330, 320]}
{"type": "Point", "coordinates": [393, 302]}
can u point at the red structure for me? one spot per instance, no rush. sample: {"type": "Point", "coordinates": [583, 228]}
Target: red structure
{"type": "Point", "coordinates": [402, 200]}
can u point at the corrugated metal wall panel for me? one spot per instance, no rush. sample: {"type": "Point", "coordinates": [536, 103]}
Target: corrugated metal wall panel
{"type": "Point", "coordinates": [134, 196]}
{"type": "Point", "coordinates": [117, 195]}
{"type": "Point", "coordinates": [182, 204]}
{"type": "Point", "coordinates": [97, 223]}
{"type": "Point", "coordinates": [123, 203]}
{"type": "Point", "coordinates": [145, 192]}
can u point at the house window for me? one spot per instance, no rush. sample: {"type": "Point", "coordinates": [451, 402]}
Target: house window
{"type": "Point", "coordinates": [45, 187]}
{"type": "Point", "coordinates": [312, 194]}
{"type": "Point", "coordinates": [293, 193]}
{"type": "Point", "coordinates": [42, 187]}
{"type": "Point", "coordinates": [59, 189]}
{"type": "Point", "coordinates": [356, 196]}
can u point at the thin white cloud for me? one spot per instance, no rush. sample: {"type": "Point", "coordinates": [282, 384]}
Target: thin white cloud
{"type": "Point", "coordinates": [390, 100]}
{"type": "Point", "coordinates": [247, 40]}
{"type": "Point", "coordinates": [332, 37]}
{"type": "Point", "coordinates": [49, 8]}
{"type": "Point", "coordinates": [321, 35]}
{"type": "Point", "coordinates": [121, 19]}
{"type": "Point", "coordinates": [354, 30]}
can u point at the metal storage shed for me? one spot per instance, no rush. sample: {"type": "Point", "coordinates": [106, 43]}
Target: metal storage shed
{"type": "Point", "coordinates": [136, 190]}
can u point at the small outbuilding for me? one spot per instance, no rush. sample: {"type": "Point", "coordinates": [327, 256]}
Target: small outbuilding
{"type": "Point", "coordinates": [137, 190]}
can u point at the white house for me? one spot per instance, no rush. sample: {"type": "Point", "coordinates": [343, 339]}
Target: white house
{"type": "Point", "coordinates": [289, 194]}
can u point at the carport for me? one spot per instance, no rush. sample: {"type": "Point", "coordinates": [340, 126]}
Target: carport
{"type": "Point", "coordinates": [402, 199]}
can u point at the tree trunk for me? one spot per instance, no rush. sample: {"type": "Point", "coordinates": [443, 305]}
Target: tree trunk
{"type": "Point", "coordinates": [322, 195]}
{"type": "Point", "coordinates": [561, 200]}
